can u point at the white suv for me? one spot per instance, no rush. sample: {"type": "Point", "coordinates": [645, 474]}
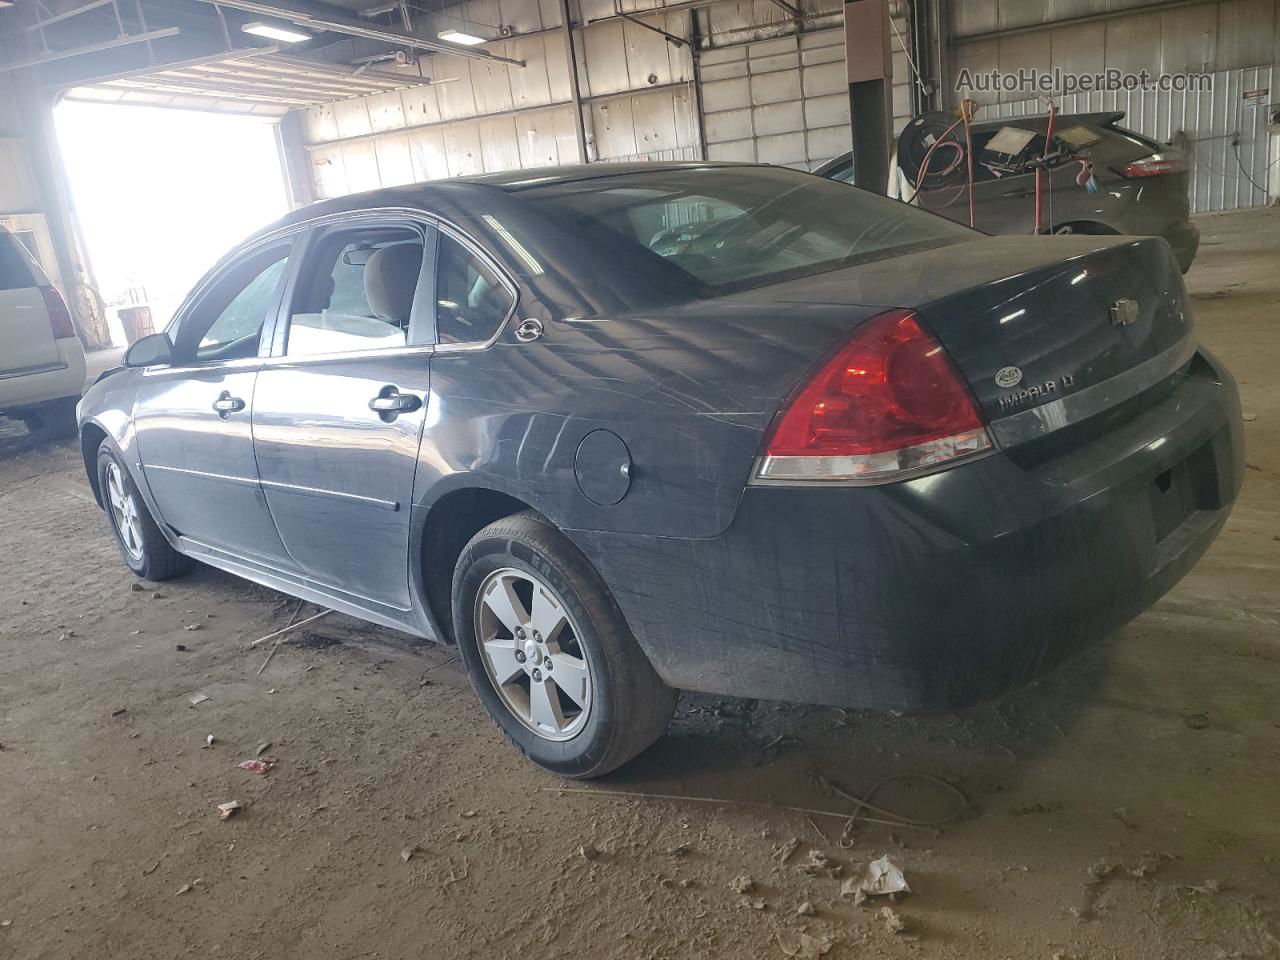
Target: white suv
{"type": "Point", "coordinates": [41, 361]}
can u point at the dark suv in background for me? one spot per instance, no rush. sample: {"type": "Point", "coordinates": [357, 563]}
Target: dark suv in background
{"type": "Point", "coordinates": [1141, 185]}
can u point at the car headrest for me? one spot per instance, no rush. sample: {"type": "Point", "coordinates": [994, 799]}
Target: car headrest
{"type": "Point", "coordinates": [390, 279]}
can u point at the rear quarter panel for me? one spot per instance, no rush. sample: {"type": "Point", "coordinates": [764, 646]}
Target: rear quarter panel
{"type": "Point", "coordinates": [690, 393]}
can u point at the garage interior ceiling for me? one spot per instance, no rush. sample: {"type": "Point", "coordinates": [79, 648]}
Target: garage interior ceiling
{"type": "Point", "coordinates": [247, 81]}
{"type": "Point", "coordinates": [193, 55]}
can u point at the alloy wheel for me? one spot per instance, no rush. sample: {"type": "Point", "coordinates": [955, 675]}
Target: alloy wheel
{"type": "Point", "coordinates": [124, 510]}
{"type": "Point", "coordinates": [533, 653]}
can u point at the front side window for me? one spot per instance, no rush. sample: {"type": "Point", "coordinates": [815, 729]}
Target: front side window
{"type": "Point", "coordinates": [471, 301]}
{"type": "Point", "coordinates": [357, 292]}
{"type": "Point", "coordinates": [226, 323]}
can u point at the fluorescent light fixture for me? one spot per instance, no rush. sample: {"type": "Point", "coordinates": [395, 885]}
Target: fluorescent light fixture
{"type": "Point", "coordinates": [273, 31]}
{"type": "Point", "coordinates": [457, 36]}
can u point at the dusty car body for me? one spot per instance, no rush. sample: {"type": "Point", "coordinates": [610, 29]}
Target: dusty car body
{"type": "Point", "coordinates": [629, 448]}
{"type": "Point", "coordinates": [1140, 185]}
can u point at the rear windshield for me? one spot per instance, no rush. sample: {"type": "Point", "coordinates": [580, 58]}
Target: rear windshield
{"type": "Point", "coordinates": [14, 272]}
{"type": "Point", "coordinates": [738, 227]}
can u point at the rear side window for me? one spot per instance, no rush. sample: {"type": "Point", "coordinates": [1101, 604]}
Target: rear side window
{"type": "Point", "coordinates": [472, 302]}
{"type": "Point", "coordinates": [14, 272]}
{"type": "Point", "coordinates": [737, 227]}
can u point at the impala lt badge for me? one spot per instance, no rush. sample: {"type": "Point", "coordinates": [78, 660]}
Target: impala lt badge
{"type": "Point", "coordinates": [1124, 312]}
{"type": "Point", "coordinates": [1034, 391]}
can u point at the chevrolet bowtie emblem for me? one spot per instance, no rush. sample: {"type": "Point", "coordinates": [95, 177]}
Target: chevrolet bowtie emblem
{"type": "Point", "coordinates": [1124, 312]}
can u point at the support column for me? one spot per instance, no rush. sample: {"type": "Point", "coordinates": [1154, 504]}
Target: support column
{"type": "Point", "coordinates": [870, 72]}
{"type": "Point", "coordinates": [575, 91]}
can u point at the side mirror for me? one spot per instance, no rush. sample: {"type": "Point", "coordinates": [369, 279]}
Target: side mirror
{"type": "Point", "coordinates": [150, 351]}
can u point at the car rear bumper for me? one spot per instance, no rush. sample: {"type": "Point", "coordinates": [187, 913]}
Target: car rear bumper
{"type": "Point", "coordinates": [22, 389]}
{"type": "Point", "coordinates": [941, 591]}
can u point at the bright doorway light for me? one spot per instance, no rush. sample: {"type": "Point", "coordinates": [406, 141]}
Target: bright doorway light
{"type": "Point", "coordinates": [162, 194]}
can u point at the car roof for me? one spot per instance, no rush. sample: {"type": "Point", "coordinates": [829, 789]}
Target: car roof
{"type": "Point", "coordinates": [509, 182]}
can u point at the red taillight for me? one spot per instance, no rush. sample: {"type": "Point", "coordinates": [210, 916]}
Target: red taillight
{"type": "Point", "coordinates": [889, 402]}
{"type": "Point", "coordinates": [59, 315]}
{"type": "Point", "coordinates": [1155, 165]}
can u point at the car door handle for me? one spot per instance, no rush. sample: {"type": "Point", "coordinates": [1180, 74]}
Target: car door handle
{"type": "Point", "coordinates": [226, 405]}
{"type": "Point", "coordinates": [395, 402]}
{"type": "Point", "coordinates": [1019, 193]}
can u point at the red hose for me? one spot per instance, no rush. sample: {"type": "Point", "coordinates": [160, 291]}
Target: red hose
{"type": "Point", "coordinates": [1048, 139]}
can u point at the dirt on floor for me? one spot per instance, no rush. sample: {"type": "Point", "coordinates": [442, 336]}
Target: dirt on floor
{"type": "Point", "coordinates": [1128, 806]}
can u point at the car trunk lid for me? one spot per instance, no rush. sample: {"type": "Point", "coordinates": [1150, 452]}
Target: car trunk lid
{"type": "Point", "coordinates": [1046, 331]}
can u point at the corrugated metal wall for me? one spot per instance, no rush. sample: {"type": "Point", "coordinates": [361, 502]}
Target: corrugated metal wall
{"type": "Point", "coordinates": [769, 92]}
{"type": "Point", "coordinates": [1201, 37]}
{"type": "Point", "coordinates": [1209, 122]}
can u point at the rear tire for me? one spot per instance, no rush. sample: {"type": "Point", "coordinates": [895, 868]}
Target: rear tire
{"type": "Point", "coordinates": [605, 704]}
{"type": "Point", "coordinates": [139, 538]}
{"type": "Point", "coordinates": [55, 420]}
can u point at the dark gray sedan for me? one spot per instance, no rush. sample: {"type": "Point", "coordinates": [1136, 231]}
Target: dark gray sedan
{"type": "Point", "coordinates": [621, 430]}
{"type": "Point", "coordinates": [1139, 186]}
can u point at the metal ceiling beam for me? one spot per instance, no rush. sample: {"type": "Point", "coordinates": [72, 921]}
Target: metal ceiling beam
{"type": "Point", "coordinates": [67, 14]}
{"type": "Point", "coordinates": [174, 65]}
{"type": "Point", "coordinates": [216, 91]}
{"type": "Point", "coordinates": [303, 17]}
{"type": "Point", "coordinates": [123, 41]}
{"type": "Point", "coordinates": [346, 74]}
{"type": "Point", "coordinates": [244, 84]}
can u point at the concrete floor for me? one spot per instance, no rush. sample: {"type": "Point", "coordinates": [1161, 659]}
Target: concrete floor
{"type": "Point", "coordinates": [1128, 806]}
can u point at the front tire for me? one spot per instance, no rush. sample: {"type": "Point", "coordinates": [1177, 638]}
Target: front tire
{"type": "Point", "coordinates": [141, 543]}
{"type": "Point", "coordinates": [549, 653]}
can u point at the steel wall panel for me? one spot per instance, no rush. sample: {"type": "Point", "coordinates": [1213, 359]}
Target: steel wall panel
{"type": "Point", "coordinates": [360, 159]}
{"type": "Point", "coordinates": [775, 87]}
{"type": "Point", "coordinates": [726, 95]}
{"type": "Point", "coordinates": [734, 151]}
{"type": "Point", "coordinates": [615, 131]}
{"type": "Point", "coordinates": [463, 149]}
{"type": "Point", "coordinates": [558, 66]}
{"type": "Point", "coordinates": [395, 163]}
{"type": "Point", "coordinates": [827, 143]}
{"type": "Point", "coordinates": [386, 111]}
{"type": "Point", "coordinates": [328, 172]}
{"type": "Point", "coordinates": [1188, 39]}
{"type": "Point", "coordinates": [727, 125]}
{"type": "Point", "coordinates": [787, 149]}
{"type": "Point", "coordinates": [779, 118]}
{"type": "Point", "coordinates": [454, 93]}
{"type": "Point", "coordinates": [499, 148]}
{"type": "Point", "coordinates": [530, 85]}
{"type": "Point", "coordinates": [605, 53]}
{"type": "Point", "coordinates": [319, 123]}
{"type": "Point", "coordinates": [490, 84]}
{"type": "Point", "coordinates": [536, 138]}
{"type": "Point", "coordinates": [654, 122]}
{"type": "Point", "coordinates": [428, 154]}
{"type": "Point", "coordinates": [1079, 49]}
{"type": "Point", "coordinates": [352, 117]}
{"type": "Point", "coordinates": [1248, 33]}
{"type": "Point", "coordinates": [832, 111]}
{"type": "Point", "coordinates": [970, 17]}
